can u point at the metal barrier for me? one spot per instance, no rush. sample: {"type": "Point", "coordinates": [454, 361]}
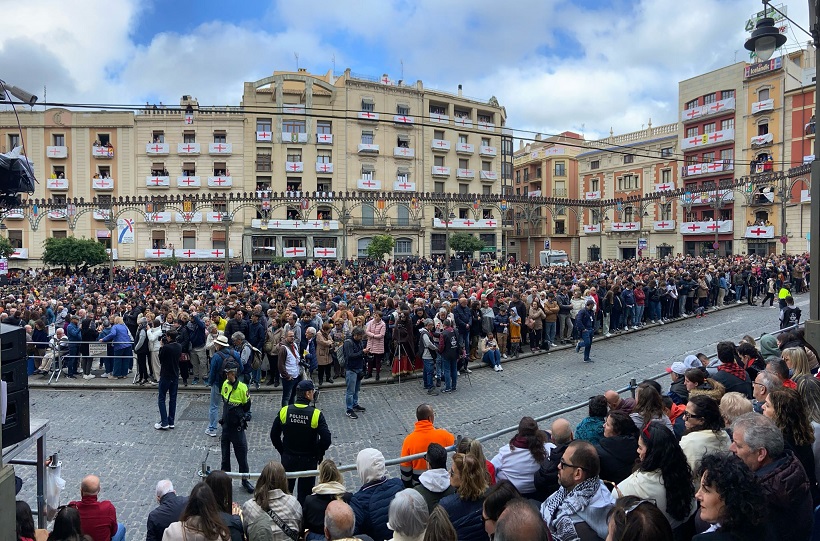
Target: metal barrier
{"type": "Point", "coordinates": [203, 472]}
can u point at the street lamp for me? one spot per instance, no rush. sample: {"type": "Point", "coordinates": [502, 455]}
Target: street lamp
{"type": "Point", "coordinates": [111, 225]}
{"type": "Point", "coordinates": [448, 216]}
{"type": "Point", "coordinates": [226, 219]}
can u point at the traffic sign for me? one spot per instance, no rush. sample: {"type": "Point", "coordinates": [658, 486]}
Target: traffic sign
{"type": "Point", "coordinates": [546, 244]}
{"type": "Point", "coordinates": [642, 244]}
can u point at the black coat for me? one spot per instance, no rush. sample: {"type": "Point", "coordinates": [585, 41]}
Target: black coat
{"type": "Point", "coordinates": [169, 509]}
{"type": "Point", "coordinates": [546, 478]}
{"type": "Point", "coordinates": [734, 383]}
{"type": "Point", "coordinates": [313, 510]}
{"type": "Point", "coordinates": [788, 498]}
{"type": "Point", "coordinates": [617, 455]}
{"type": "Point", "coordinates": [169, 355]}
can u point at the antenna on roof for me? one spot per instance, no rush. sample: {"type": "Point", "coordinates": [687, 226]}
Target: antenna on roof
{"type": "Point", "coordinates": [402, 69]}
{"type": "Point", "coordinates": [297, 60]}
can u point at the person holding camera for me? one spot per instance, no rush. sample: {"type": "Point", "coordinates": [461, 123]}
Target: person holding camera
{"type": "Point", "coordinates": [490, 353]}
{"type": "Point", "coordinates": [169, 354]}
{"type": "Point", "coordinates": [236, 413]}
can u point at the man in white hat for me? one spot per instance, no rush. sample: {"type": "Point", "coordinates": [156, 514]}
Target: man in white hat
{"type": "Point", "coordinates": [223, 352]}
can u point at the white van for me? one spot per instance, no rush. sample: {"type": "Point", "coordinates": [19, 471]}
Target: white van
{"type": "Point", "coordinates": [548, 258]}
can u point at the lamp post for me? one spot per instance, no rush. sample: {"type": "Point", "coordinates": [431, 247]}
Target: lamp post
{"type": "Point", "coordinates": [764, 40]}
{"type": "Point", "coordinates": [111, 225]}
{"type": "Point", "coordinates": [448, 216]}
{"type": "Point", "coordinates": [226, 219]}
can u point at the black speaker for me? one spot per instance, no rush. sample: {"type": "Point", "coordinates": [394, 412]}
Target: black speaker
{"type": "Point", "coordinates": [18, 424]}
{"type": "Point", "coordinates": [456, 265]}
{"type": "Point", "coordinates": [15, 374]}
{"type": "Point", "coordinates": [235, 275]}
{"type": "Point", "coordinates": [12, 343]}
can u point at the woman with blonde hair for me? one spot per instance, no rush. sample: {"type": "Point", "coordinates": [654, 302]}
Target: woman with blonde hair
{"type": "Point", "coordinates": [271, 496]}
{"type": "Point", "coordinates": [330, 487]}
{"type": "Point", "coordinates": [121, 341]}
{"type": "Point", "coordinates": [473, 447]}
{"type": "Point", "coordinates": [797, 361]}
{"type": "Point", "coordinates": [732, 406]}
{"type": "Point", "coordinates": [466, 506]}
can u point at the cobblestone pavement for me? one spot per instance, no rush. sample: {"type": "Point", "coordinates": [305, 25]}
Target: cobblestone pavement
{"type": "Point", "coordinates": [110, 432]}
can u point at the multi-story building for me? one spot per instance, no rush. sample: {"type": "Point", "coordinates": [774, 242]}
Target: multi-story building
{"type": "Point", "coordinates": [190, 151]}
{"type": "Point", "coordinates": [712, 106]}
{"type": "Point", "coordinates": [546, 168]}
{"type": "Point", "coordinates": [89, 155]}
{"type": "Point", "coordinates": [314, 137]}
{"type": "Point", "coordinates": [618, 172]}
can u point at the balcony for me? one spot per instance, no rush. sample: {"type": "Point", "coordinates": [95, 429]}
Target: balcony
{"type": "Point", "coordinates": [708, 139]}
{"type": "Point", "coordinates": [706, 228]}
{"type": "Point", "coordinates": [439, 118]}
{"type": "Point", "coordinates": [719, 107]}
{"type": "Point", "coordinates": [294, 167]}
{"type": "Point", "coordinates": [485, 125]}
{"type": "Point", "coordinates": [664, 186]}
{"type": "Point", "coordinates": [101, 215]}
{"type": "Point", "coordinates": [264, 137]}
{"type": "Point", "coordinates": [463, 121]}
{"type": "Point", "coordinates": [158, 182]}
{"type": "Point", "coordinates": [465, 148]}
{"type": "Point", "coordinates": [625, 227]}
{"type": "Point", "coordinates": [214, 217]}
{"type": "Point", "coordinates": [294, 137]}
{"type": "Point", "coordinates": [293, 109]}
{"type": "Point", "coordinates": [663, 225]}
{"type": "Point", "coordinates": [759, 141]}
{"type": "Point", "coordinates": [368, 148]}
{"type": "Point", "coordinates": [465, 173]}
{"type": "Point", "coordinates": [19, 253]}
{"type": "Point", "coordinates": [466, 223]}
{"type": "Point", "coordinates": [403, 120]}
{"type": "Point", "coordinates": [101, 151]}
{"type": "Point", "coordinates": [322, 167]}
{"type": "Point", "coordinates": [765, 105]}
{"type": "Point", "coordinates": [441, 172]}
{"type": "Point", "coordinates": [487, 151]}
{"type": "Point", "coordinates": [184, 253]}
{"type": "Point", "coordinates": [590, 196]}
{"type": "Point", "coordinates": [717, 166]}
{"type": "Point", "coordinates": [220, 182]}
{"type": "Point", "coordinates": [324, 138]}
{"type": "Point", "coordinates": [368, 184]}
{"type": "Point", "coordinates": [188, 217]}
{"type": "Point", "coordinates": [57, 152]}
{"type": "Point", "coordinates": [102, 184]}
{"type": "Point", "coordinates": [706, 198]}
{"type": "Point", "coordinates": [57, 184]}
{"type": "Point", "coordinates": [440, 145]}
{"type": "Point", "coordinates": [296, 225]}
{"type": "Point", "coordinates": [157, 149]}
{"type": "Point", "coordinates": [329, 253]}
{"type": "Point", "coordinates": [367, 116]}
{"type": "Point", "coordinates": [489, 176]}
{"type": "Point", "coordinates": [163, 217]}
{"type": "Point", "coordinates": [58, 214]}
{"type": "Point", "coordinates": [188, 149]}
{"type": "Point", "coordinates": [15, 214]}
{"type": "Point", "coordinates": [189, 182]}
{"type": "Point", "coordinates": [220, 149]}
{"type": "Point", "coordinates": [592, 228]}
{"type": "Point", "coordinates": [759, 232]}
{"type": "Point", "coordinates": [404, 186]}
{"type": "Point", "coordinates": [559, 192]}
{"type": "Point", "coordinates": [403, 152]}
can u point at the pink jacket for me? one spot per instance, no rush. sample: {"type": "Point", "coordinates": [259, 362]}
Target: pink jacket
{"type": "Point", "coordinates": [375, 330]}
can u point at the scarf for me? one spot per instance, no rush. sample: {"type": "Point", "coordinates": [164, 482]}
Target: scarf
{"type": "Point", "coordinates": [734, 369]}
{"type": "Point", "coordinates": [563, 504]}
{"type": "Point", "coordinates": [520, 442]}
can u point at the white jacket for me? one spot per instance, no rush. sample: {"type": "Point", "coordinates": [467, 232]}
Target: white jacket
{"type": "Point", "coordinates": [696, 444]}
{"type": "Point", "coordinates": [153, 338]}
{"type": "Point", "coordinates": [649, 485]}
{"type": "Point", "coordinates": [518, 466]}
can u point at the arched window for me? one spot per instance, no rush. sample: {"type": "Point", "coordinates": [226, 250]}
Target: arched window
{"type": "Point", "coordinates": [628, 214]}
{"type": "Point", "coordinates": [368, 213]}
{"type": "Point", "coordinates": [324, 213]}
{"type": "Point", "coordinates": [403, 215]}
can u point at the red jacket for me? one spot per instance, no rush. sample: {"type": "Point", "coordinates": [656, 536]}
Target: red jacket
{"type": "Point", "coordinates": [98, 519]}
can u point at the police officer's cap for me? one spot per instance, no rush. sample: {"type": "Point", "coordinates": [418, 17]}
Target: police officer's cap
{"type": "Point", "coordinates": [305, 385]}
{"type": "Point", "coordinates": [231, 366]}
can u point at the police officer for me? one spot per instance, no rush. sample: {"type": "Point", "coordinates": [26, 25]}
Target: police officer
{"type": "Point", "coordinates": [236, 413]}
{"type": "Point", "coordinates": [301, 436]}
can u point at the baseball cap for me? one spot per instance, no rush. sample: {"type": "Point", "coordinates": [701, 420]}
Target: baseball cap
{"type": "Point", "coordinates": [691, 361]}
{"type": "Point", "coordinates": [677, 367]}
{"type": "Point", "coordinates": [305, 385]}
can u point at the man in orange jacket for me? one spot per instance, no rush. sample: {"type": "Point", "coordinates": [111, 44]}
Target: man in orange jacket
{"type": "Point", "coordinates": [417, 442]}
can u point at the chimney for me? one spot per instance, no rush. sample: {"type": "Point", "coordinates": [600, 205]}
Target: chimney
{"type": "Point", "coordinates": [459, 91]}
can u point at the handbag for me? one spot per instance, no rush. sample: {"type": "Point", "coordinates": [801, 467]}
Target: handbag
{"type": "Point", "coordinates": [288, 531]}
{"type": "Point", "coordinates": [340, 354]}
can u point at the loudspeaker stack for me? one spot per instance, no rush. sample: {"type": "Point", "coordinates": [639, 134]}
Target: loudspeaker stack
{"type": "Point", "coordinates": [13, 371]}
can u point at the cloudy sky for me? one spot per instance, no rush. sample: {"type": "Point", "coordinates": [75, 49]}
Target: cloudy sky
{"type": "Point", "coordinates": [583, 65]}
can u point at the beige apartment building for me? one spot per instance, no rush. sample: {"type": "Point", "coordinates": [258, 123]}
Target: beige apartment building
{"type": "Point", "coordinates": [315, 137]}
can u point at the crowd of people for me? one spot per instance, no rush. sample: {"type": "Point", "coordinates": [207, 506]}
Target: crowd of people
{"type": "Point", "coordinates": [295, 324]}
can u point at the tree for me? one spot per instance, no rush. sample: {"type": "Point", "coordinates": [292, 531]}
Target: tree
{"type": "Point", "coordinates": [171, 262]}
{"type": "Point", "coordinates": [380, 245]}
{"type": "Point", "coordinates": [465, 243]}
{"type": "Point", "coordinates": [6, 249]}
{"type": "Point", "coordinates": [71, 251]}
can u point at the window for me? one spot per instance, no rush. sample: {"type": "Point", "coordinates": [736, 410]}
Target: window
{"type": "Point", "coordinates": [708, 185]}
{"type": "Point", "coordinates": [61, 234]}
{"type": "Point", "coordinates": [263, 124]}
{"type": "Point", "coordinates": [263, 161]}
{"type": "Point", "coordinates": [59, 140]}
{"type": "Point", "coordinates": [486, 166]}
{"type": "Point", "coordinates": [220, 137]}
{"type": "Point", "coordinates": [561, 210]}
{"type": "Point", "coordinates": [16, 238]}
{"type": "Point", "coordinates": [463, 163]}
{"type": "Point", "coordinates": [709, 128]}
{"type": "Point", "coordinates": [188, 169]}
{"type": "Point", "coordinates": [368, 212]}
{"type": "Point", "coordinates": [189, 137]}
{"type": "Point", "coordinates": [158, 170]}
{"type": "Point", "coordinates": [438, 134]}
{"type": "Point", "coordinates": [518, 191]}
{"type": "Point", "coordinates": [14, 141]}
{"type": "Point", "coordinates": [402, 109]}
{"type": "Point", "coordinates": [691, 160]}
{"type": "Point", "coordinates": [104, 139]}
{"type": "Point", "coordinates": [293, 184]}
{"type": "Point", "coordinates": [437, 110]}
{"type": "Point", "coordinates": [438, 187]}
{"type": "Point", "coordinates": [561, 169]}
{"type": "Point", "coordinates": [367, 137]}
{"type": "Point", "coordinates": [462, 138]}
{"type": "Point", "coordinates": [463, 188]}
{"type": "Point", "coordinates": [666, 176]}
{"type": "Point", "coordinates": [324, 185]}
{"type": "Point", "coordinates": [486, 190]}
{"type": "Point", "coordinates": [263, 184]}
{"type": "Point", "coordinates": [104, 171]}
{"type": "Point", "coordinates": [518, 177]}
{"type": "Point", "coordinates": [526, 175]}
{"type": "Point", "coordinates": [403, 246]}
{"type": "Point", "coordinates": [708, 157]}
{"type": "Point", "coordinates": [438, 161]}
{"type": "Point", "coordinates": [559, 228]}
{"type": "Point", "coordinates": [189, 240]}
{"type": "Point", "coordinates": [219, 206]}
{"type": "Point", "coordinates": [324, 213]}
{"type": "Point", "coordinates": [368, 105]}
{"type": "Point", "coordinates": [367, 171]}
{"type": "Point", "coordinates": [323, 156]}
{"type": "Point", "coordinates": [402, 174]}
{"type": "Point", "coordinates": [483, 117]}
{"type": "Point", "coordinates": [763, 128]}
{"type": "Point", "coordinates": [463, 214]}
{"type": "Point", "coordinates": [485, 141]}
{"type": "Point", "coordinates": [666, 152]}
{"type": "Point", "coordinates": [294, 155]}
{"type": "Point", "coordinates": [593, 184]}
{"type": "Point", "coordinates": [559, 189]}
{"type": "Point", "coordinates": [629, 158]}
{"type": "Point", "coordinates": [403, 141]}
{"type": "Point", "coordinates": [220, 169]}
{"type": "Point", "coordinates": [293, 126]}
{"type": "Point", "coordinates": [438, 242]}
{"type": "Point", "coordinates": [595, 164]}
{"type": "Point", "coordinates": [628, 214]}
{"type": "Point", "coordinates": [218, 240]}
{"type": "Point", "coordinates": [403, 215]}
{"type": "Point", "coordinates": [692, 132]}
{"type": "Point", "coordinates": [709, 98]}
{"type": "Point", "coordinates": [728, 124]}
{"type": "Point", "coordinates": [726, 94]}
{"type": "Point", "coordinates": [461, 113]}
{"type": "Point", "coordinates": [628, 182]}
{"type": "Point", "coordinates": [158, 137]}
{"type": "Point", "coordinates": [763, 94]}
{"type": "Point", "coordinates": [323, 127]}
{"type": "Point", "coordinates": [727, 154]}
{"type": "Point", "coordinates": [691, 104]}
{"type": "Point", "coordinates": [666, 211]}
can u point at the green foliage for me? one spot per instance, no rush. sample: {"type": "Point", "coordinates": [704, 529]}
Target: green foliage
{"type": "Point", "coordinates": [71, 251]}
{"type": "Point", "coordinates": [379, 246]}
{"type": "Point", "coordinates": [278, 260]}
{"type": "Point", "coordinates": [172, 261]}
{"type": "Point", "coordinates": [6, 249]}
{"type": "Point", "coordinates": [465, 243]}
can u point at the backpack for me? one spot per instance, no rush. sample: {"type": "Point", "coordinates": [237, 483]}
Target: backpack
{"type": "Point", "coordinates": [256, 359]}
{"type": "Point", "coordinates": [261, 528]}
{"type": "Point", "coordinates": [420, 348]}
{"type": "Point", "coordinates": [791, 316]}
{"type": "Point", "coordinates": [449, 345]}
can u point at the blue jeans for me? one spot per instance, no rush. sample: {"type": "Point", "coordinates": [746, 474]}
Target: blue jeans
{"type": "Point", "coordinates": [586, 341]}
{"type": "Point", "coordinates": [353, 383]}
{"type": "Point", "coordinates": [638, 317]}
{"type": "Point", "coordinates": [213, 408]}
{"type": "Point", "coordinates": [549, 331]}
{"type": "Point", "coordinates": [629, 315]}
{"type": "Point", "coordinates": [464, 340]}
{"type": "Point", "coordinates": [122, 360]}
{"type": "Point", "coordinates": [428, 372]}
{"type": "Point", "coordinates": [492, 357]}
{"type": "Point", "coordinates": [739, 291]}
{"type": "Point", "coordinates": [120, 535]}
{"type": "Point", "coordinates": [450, 369]}
{"type": "Point", "coordinates": [167, 386]}
{"type": "Point", "coordinates": [256, 375]}
{"type": "Point", "coordinates": [289, 391]}
{"type": "Point", "coordinates": [654, 310]}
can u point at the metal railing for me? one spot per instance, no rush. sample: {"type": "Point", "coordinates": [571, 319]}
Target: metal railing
{"type": "Point", "coordinates": [633, 384]}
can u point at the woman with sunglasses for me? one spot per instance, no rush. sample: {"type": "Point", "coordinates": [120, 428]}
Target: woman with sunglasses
{"type": "Point", "coordinates": [465, 507]}
{"type": "Point", "coordinates": [634, 519]}
{"type": "Point", "coordinates": [704, 429]}
{"type": "Point", "coordinates": [662, 475]}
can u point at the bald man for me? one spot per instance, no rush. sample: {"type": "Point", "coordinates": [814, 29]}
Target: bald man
{"type": "Point", "coordinates": [98, 519]}
{"type": "Point", "coordinates": [546, 478]}
{"type": "Point", "coordinates": [340, 522]}
{"type": "Point", "coordinates": [615, 402]}
{"type": "Point", "coordinates": [520, 521]}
